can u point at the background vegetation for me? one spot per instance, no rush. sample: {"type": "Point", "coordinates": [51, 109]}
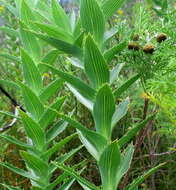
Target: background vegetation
{"type": "Point", "coordinates": [141, 26]}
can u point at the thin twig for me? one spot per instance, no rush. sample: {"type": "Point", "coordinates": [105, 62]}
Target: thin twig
{"type": "Point", "coordinates": [16, 105]}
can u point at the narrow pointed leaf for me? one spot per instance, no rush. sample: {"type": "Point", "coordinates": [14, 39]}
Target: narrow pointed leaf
{"type": "Point", "coordinates": [10, 84]}
{"type": "Point", "coordinates": [51, 57]}
{"type": "Point", "coordinates": [125, 163]}
{"type": "Point", "coordinates": [11, 57]}
{"type": "Point", "coordinates": [50, 90]}
{"type": "Point", "coordinates": [15, 141]}
{"type": "Point", "coordinates": [114, 73]}
{"type": "Point", "coordinates": [103, 111]}
{"type": "Point", "coordinates": [31, 73]}
{"type": "Point", "coordinates": [92, 19]}
{"type": "Point", "coordinates": [126, 85]}
{"type": "Point", "coordinates": [60, 17]}
{"type": "Point", "coordinates": [32, 102]}
{"type": "Point", "coordinates": [50, 114]}
{"type": "Point", "coordinates": [120, 112]}
{"type": "Point", "coordinates": [33, 131]}
{"type": "Point", "coordinates": [10, 187]}
{"type": "Point", "coordinates": [109, 7]}
{"type": "Point", "coordinates": [55, 130]}
{"type": "Point", "coordinates": [67, 184]}
{"type": "Point", "coordinates": [17, 170]}
{"type": "Point", "coordinates": [56, 147]}
{"type": "Point", "coordinates": [38, 166]}
{"type": "Point", "coordinates": [59, 44]}
{"type": "Point", "coordinates": [132, 132]}
{"type": "Point", "coordinates": [86, 102]}
{"type": "Point", "coordinates": [140, 179]}
{"type": "Point", "coordinates": [55, 32]}
{"type": "Point", "coordinates": [110, 53]}
{"type": "Point", "coordinates": [109, 164]}
{"type": "Point", "coordinates": [9, 31]}
{"type": "Point", "coordinates": [76, 175]}
{"type": "Point", "coordinates": [94, 64]}
{"type": "Point", "coordinates": [82, 87]}
{"type": "Point", "coordinates": [29, 42]}
{"type": "Point", "coordinates": [94, 142]}
{"type": "Point", "coordinates": [68, 155]}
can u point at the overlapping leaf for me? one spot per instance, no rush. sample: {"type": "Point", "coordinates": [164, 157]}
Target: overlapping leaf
{"type": "Point", "coordinates": [103, 111]}
{"type": "Point", "coordinates": [94, 64]}
{"type": "Point", "coordinates": [92, 19]}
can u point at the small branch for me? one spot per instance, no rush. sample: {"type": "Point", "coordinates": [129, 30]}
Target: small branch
{"type": "Point", "coordinates": [13, 101]}
{"type": "Point", "coordinates": [5, 128]}
{"type": "Point", "coordinates": [15, 104]}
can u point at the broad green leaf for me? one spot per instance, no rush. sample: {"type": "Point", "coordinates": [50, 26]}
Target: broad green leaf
{"type": "Point", "coordinates": [120, 112]}
{"type": "Point", "coordinates": [33, 131]}
{"type": "Point", "coordinates": [9, 31]}
{"type": "Point", "coordinates": [114, 73]}
{"type": "Point", "coordinates": [31, 73]}
{"type": "Point", "coordinates": [60, 17]}
{"type": "Point", "coordinates": [94, 142]}
{"type": "Point", "coordinates": [110, 53]}
{"type": "Point", "coordinates": [132, 132]}
{"type": "Point", "coordinates": [32, 102]}
{"type": "Point", "coordinates": [125, 163]}
{"type": "Point", "coordinates": [57, 146]}
{"type": "Point", "coordinates": [76, 175]}
{"type": "Point", "coordinates": [126, 85]}
{"type": "Point", "coordinates": [103, 111]}
{"type": "Point", "coordinates": [59, 44]}
{"type": "Point", "coordinates": [140, 179]}
{"type": "Point", "coordinates": [92, 19]}
{"type": "Point", "coordinates": [55, 32]}
{"type": "Point", "coordinates": [50, 90]}
{"type": "Point", "coordinates": [55, 130]}
{"type": "Point", "coordinates": [11, 57]}
{"type": "Point", "coordinates": [17, 170]}
{"type": "Point", "coordinates": [109, 7]}
{"type": "Point", "coordinates": [38, 166]}
{"type": "Point", "coordinates": [51, 57]}
{"type": "Point", "coordinates": [80, 86]}
{"type": "Point", "coordinates": [109, 164]}
{"type": "Point", "coordinates": [29, 42]}
{"type": "Point", "coordinates": [50, 114]}
{"type": "Point", "coordinates": [15, 141]}
{"type": "Point", "coordinates": [94, 64]}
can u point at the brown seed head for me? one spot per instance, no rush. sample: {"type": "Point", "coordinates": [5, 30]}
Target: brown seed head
{"type": "Point", "coordinates": [149, 48]}
{"type": "Point", "coordinates": [161, 37]}
{"type": "Point", "coordinates": [133, 46]}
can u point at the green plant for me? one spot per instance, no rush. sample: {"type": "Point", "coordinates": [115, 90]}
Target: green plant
{"type": "Point", "coordinates": [85, 42]}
